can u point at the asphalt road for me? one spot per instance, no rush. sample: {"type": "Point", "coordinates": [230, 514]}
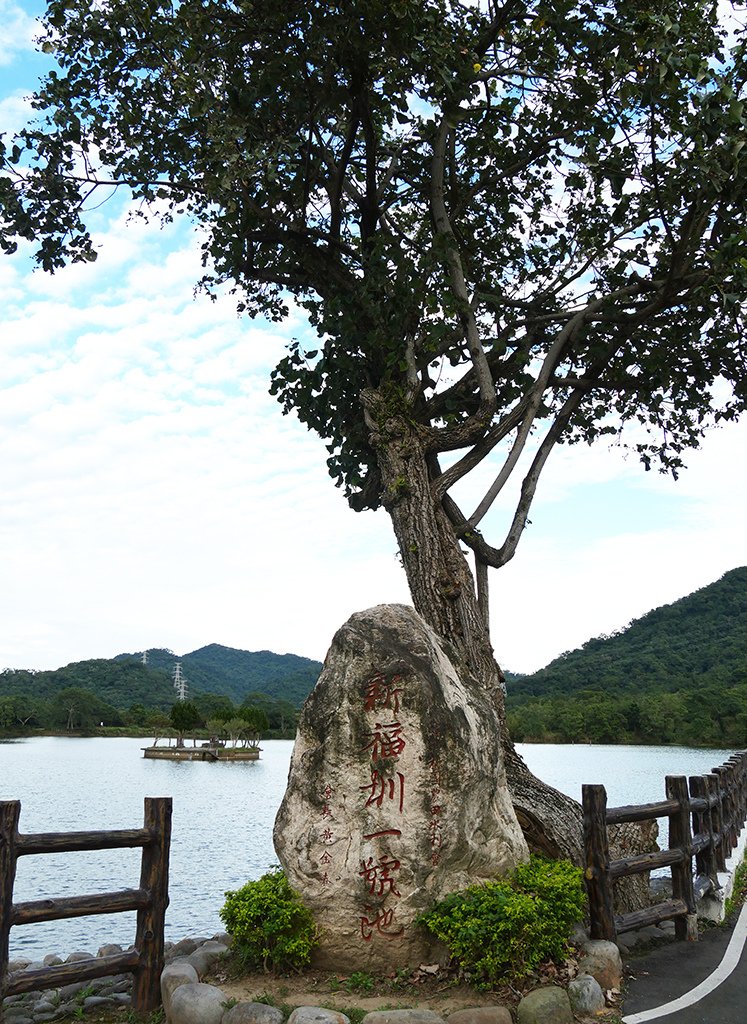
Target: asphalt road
{"type": "Point", "coordinates": [702, 982]}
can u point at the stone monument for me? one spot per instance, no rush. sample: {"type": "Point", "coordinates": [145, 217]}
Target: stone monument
{"type": "Point", "coordinates": [396, 792]}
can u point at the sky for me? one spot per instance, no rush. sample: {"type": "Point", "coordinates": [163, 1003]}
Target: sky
{"type": "Point", "coordinates": [153, 494]}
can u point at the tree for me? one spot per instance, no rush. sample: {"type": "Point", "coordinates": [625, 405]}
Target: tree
{"type": "Point", "coordinates": [74, 708]}
{"type": "Point", "coordinates": [136, 715]}
{"type": "Point", "coordinates": [214, 705]}
{"type": "Point", "coordinates": [184, 716]}
{"type": "Point", "coordinates": [512, 226]}
{"type": "Point", "coordinates": [7, 713]}
{"type": "Point", "coordinates": [256, 722]}
{"type": "Point", "coordinates": [160, 723]}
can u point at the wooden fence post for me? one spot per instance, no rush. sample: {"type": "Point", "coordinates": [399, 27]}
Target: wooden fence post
{"type": "Point", "coordinates": [714, 792]}
{"type": "Point", "coordinates": [154, 878]}
{"type": "Point", "coordinates": [597, 855]}
{"type": "Point", "coordinates": [742, 772]}
{"type": "Point", "coordinates": [736, 800]}
{"type": "Point", "coordinates": [10, 811]}
{"type": "Point", "coordinates": [738, 761]}
{"type": "Point", "coordinates": [705, 861]}
{"type": "Point", "coordinates": [732, 766]}
{"type": "Point", "coordinates": [685, 927]}
{"type": "Point", "coordinates": [726, 810]}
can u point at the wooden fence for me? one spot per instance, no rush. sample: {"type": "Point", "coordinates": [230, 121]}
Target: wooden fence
{"type": "Point", "coordinates": [705, 819]}
{"type": "Point", "coordinates": [150, 900]}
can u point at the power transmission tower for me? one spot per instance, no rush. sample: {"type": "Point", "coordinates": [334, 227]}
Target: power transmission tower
{"type": "Point", "coordinates": [180, 683]}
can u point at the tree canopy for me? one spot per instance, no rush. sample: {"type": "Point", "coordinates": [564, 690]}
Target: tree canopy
{"type": "Point", "coordinates": [511, 225]}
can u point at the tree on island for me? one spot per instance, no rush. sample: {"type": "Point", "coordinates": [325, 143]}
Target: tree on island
{"type": "Point", "coordinates": [512, 226]}
{"type": "Point", "coordinates": [160, 723]}
{"type": "Point", "coordinates": [255, 723]}
{"type": "Point", "coordinates": [184, 717]}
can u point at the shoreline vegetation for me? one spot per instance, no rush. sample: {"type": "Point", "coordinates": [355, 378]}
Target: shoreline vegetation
{"type": "Point", "coordinates": [125, 732]}
{"type": "Point", "coordinates": [677, 675]}
{"type": "Point", "coordinates": [79, 711]}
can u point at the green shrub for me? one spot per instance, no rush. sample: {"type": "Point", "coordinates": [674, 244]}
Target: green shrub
{"type": "Point", "coordinates": [503, 930]}
{"type": "Point", "coordinates": [270, 925]}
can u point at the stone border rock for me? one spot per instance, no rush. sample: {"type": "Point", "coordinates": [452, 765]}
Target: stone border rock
{"type": "Point", "coordinates": [188, 1000]}
{"type": "Point", "coordinates": [38, 1007]}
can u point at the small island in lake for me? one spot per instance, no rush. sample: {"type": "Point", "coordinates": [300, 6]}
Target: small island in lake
{"type": "Point", "coordinates": [205, 752]}
{"type": "Point", "coordinates": [242, 733]}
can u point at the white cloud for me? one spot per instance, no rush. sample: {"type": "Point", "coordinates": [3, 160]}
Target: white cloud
{"type": "Point", "coordinates": [17, 31]}
{"type": "Point", "coordinates": [153, 491]}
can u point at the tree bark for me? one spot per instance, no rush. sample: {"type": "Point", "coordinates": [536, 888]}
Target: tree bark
{"type": "Point", "coordinates": [443, 593]}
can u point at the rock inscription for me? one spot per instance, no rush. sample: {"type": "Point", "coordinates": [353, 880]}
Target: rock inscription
{"type": "Point", "coordinates": [396, 792]}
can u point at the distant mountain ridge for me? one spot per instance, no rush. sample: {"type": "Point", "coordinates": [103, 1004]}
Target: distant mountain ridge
{"type": "Point", "coordinates": [124, 680]}
{"type": "Point", "coordinates": [676, 675]}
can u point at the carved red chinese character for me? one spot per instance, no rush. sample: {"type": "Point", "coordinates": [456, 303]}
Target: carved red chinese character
{"type": "Point", "coordinates": [380, 922]}
{"type": "Point", "coordinates": [385, 787]}
{"type": "Point", "coordinates": [326, 811]}
{"type": "Point", "coordinates": [378, 876]}
{"type": "Point", "coordinates": [386, 741]}
{"type": "Point", "coordinates": [325, 858]}
{"type": "Point", "coordinates": [382, 694]}
{"type": "Point", "coordinates": [384, 832]}
{"type": "Point", "coordinates": [327, 835]}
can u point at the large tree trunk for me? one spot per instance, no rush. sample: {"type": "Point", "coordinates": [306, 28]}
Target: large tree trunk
{"type": "Point", "coordinates": [443, 593]}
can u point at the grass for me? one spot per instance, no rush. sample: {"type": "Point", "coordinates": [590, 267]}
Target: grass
{"type": "Point", "coordinates": [739, 891]}
{"type": "Point", "coordinates": [358, 981]}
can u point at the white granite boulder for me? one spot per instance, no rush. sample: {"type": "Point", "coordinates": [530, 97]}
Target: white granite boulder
{"type": "Point", "coordinates": [173, 976]}
{"type": "Point", "coordinates": [413, 1016]}
{"type": "Point", "coordinates": [317, 1015]}
{"type": "Point", "coordinates": [481, 1015]}
{"type": "Point", "coordinates": [253, 1013]}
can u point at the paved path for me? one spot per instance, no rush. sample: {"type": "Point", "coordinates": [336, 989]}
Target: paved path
{"type": "Point", "coordinates": [702, 982]}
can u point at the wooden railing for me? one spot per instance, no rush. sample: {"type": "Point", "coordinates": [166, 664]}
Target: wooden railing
{"type": "Point", "coordinates": [705, 819]}
{"type": "Point", "coordinates": [150, 900]}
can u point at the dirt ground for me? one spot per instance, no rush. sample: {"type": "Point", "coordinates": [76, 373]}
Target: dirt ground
{"type": "Point", "coordinates": [316, 988]}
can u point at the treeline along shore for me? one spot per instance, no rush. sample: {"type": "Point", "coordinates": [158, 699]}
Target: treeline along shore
{"type": "Point", "coordinates": [128, 695]}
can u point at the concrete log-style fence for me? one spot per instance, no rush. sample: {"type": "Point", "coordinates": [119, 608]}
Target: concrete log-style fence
{"type": "Point", "coordinates": [145, 960]}
{"type": "Point", "coordinates": [706, 815]}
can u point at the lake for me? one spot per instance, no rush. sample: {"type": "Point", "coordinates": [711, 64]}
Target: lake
{"type": "Point", "coordinates": [222, 820]}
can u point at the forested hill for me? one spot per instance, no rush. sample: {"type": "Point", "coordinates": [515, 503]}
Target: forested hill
{"type": "Point", "coordinates": [123, 681]}
{"type": "Point", "coordinates": [678, 674]}
{"type": "Point", "coordinates": [235, 673]}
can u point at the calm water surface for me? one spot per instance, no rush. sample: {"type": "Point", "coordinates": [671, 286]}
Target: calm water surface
{"type": "Point", "coordinates": [222, 820]}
